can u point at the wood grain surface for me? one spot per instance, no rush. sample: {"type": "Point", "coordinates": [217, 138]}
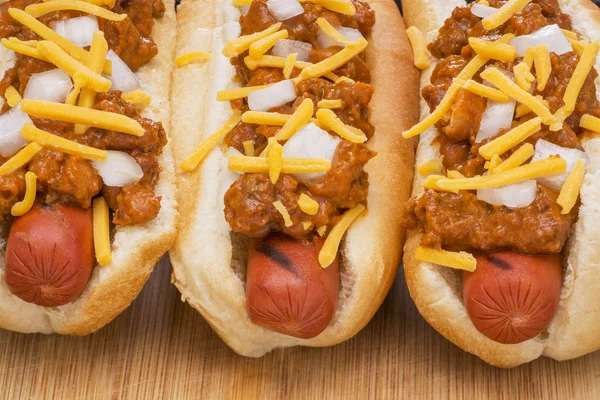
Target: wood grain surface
{"type": "Point", "coordinates": [161, 348]}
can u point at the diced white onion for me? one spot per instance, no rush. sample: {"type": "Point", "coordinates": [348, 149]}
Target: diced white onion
{"type": "Point", "coordinates": [285, 9]}
{"type": "Point", "coordinates": [516, 195]}
{"type": "Point", "coordinates": [496, 116]}
{"type": "Point", "coordinates": [11, 123]}
{"type": "Point", "coordinates": [285, 47]}
{"type": "Point", "coordinates": [545, 149]}
{"type": "Point", "coordinates": [274, 96]}
{"type": "Point", "coordinates": [482, 11]}
{"type": "Point", "coordinates": [122, 77]}
{"type": "Point", "coordinates": [119, 169]}
{"type": "Point", "coordinates": [550, 36]}
{"type": "Point", "coordinates": [244, 10]}
{"type": "Point", "coordinates": [79, 30]}
{"type": "Point", "coordinates": [326, 41]}
{"type": "Point", "coordinates": [311, 142]}
{"type": "Point", "coordinates": [53, 85]}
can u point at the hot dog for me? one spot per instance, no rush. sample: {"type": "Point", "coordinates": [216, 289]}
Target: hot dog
{"type": "Point", "coordinates": [281, 274]}
{"type": "Point", "coordinates": [504, 194]}
{"type": "Point", "coordinates": [513, 297]}
{"type": "Point", "coordinates": [86, 196]}
{"type": "Point", "coordinates": [50, 254]}
{"type": "Point", "coordinates": [300, 219]}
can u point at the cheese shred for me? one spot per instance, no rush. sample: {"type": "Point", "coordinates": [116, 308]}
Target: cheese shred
{"type": "Point", "coordinates": [23, 206]}
{"type": "Point", "coordinates": [570, 189]}
{"type": "Point", "coordinates": [330, 248]}
{"type": "Point", "coordinates": [20, 159]}
{"type": "Point", "coordinates": [284, 213]}
{"type": "Point", "coordinates": [101, 228]}
{"type": "Point", "coordinates": [419, 48]}
{"type": "Point", "coordinates": [511, 138]}
{"type": "Point", "coordinates": [457, 260]}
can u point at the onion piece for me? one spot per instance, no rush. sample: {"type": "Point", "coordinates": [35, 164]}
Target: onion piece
{"type": "Point", "coordinates": [285, 9]}
{"type": "Point", "coordinates": [11, 123]}
{"type": "Point", "coordinates": [244, 9]}
{"type": "Point", "coordinates": [545, 149]}
{"type": "Point", "coordinates": [79, 30]}
{"type": "Point", "coordinates": [122, 77]}
{"type": "Point", "coordinates": [119, 169]}
{"type": "Point", "coordinates": [482, 11]}
{"type": "Point", "coordinates": [53, 85]}
{"type": "Point", "coordinates": [497, 115]}
{"type": "Point", "coordinates": [311, 142]}
{"type": "Point", "coordinates": [273, 96]}
{"type": "Point", "coordinates": [551, 36]}
{"type": "Point", "coordinates": [285, 47]}
{"type": "Point", "coordinates": [326, 41]}
{"type": "Point", "coordinates": [516, 195]}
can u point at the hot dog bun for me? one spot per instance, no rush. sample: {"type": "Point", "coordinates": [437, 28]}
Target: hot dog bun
{"type": "Point", "coordinates": [135, 248]}
{"type": "Point", "coordinates": [209, 264]}
{"type": "Point", "coordinates": [437, 291]}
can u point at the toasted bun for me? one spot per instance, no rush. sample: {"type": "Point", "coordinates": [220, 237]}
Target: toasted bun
{"type": "Point", "coordinates": [209, 261]}
{"type": "Point", "coordinates": [135, 249]}
{"type": "Point", "coordinates": [437, 291]}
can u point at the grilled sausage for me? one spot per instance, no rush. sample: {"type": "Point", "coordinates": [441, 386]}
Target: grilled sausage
{"type": "Point", "coordinates": [287, 290]}
{"type": "Point", "coordinates": [512, 297]}
{"type": "Point", "coordinates": [50, 254]}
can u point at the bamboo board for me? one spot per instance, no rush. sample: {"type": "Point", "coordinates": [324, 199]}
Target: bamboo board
{"type": "Point", "coordinates": [161, 348]}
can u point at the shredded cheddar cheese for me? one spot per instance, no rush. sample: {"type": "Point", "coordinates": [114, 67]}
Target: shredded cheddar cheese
{"type": "Point", "coordinates": [265, 118]}
{"type": "Point", "coordinates": [340, 6]}
{"type": "Point", "coordinates": [335, 61]}
{"type": "Point", "coordinates": [284, 213]}
{"type": "Point", "coordinates": [40, 9]}
{"type": "Point", "coordinates": [248, 148]}
{"type": "Point", "coordinates": [306, 225]}
{"type": "Point", "coordinates": [58, 143]}
{"type": "Point", "coordinates": [482, 90]}
{"type": "Point", "coordinates": [511, 138]}
{"type": "Point", "coordinates": [528, 58]}
{"type": "Point", "coordinates": [46, 33]}
{"type": "Point", "coordinates": [336, 103]}
{"type": "Point", "coordinates": [332, 122]}
{"type": "Point", "coordinates": [432, 180]}
{"type": "Point", "coordinates": [543, 65]}
{"type": "Point", "coordinates": [522, 109]}
{"type": "Point", "coordinates": [493, 163]}
{"type": "Point", "coordinates": [263, 45]}
{"type": "Point", "coordinates": [79, 115]}
{"type": "Point", "coordinates": [288, 165]}
{"type": "Point", "coordinates": [288, 68]}
{"type": "Point", "coordinates": [430, 167]}
{"type": "Point", "coordinates": [23, 206]}
{"type": "Point", "coordinates": [95, 63]}
{"type": "Point", "coordinates": [330, 248]}
{"type": "Point", "coordinates": [504, 13]}
{"type": "Point", "coordinates": [546, 167]}
{"type": "Point", "coordinates": [243, 43]}
{"type": "Point", "coordinates": [579, 45]}
{"type": "Point", "coordinates": [12, 96]}
{"type": "Point", "coordinates": [238, 93]}
{"type": "Point", "coordinates": [523, 77]}
{"type": "Point", "coordinates": [453, 174]}
{"type": "Point", "coordinates": [274, 159]}
{"type": "Point", "coordinates": [238, 3]}
{"type": "Point", "coordinates": [457, 260]}
{"type": "Point", "coordinates": [57, 56]}
{"type": "Point", "coordinates": [192, 161]}
{"type": "Point", "coordinates": [192, 56]}
{"type": "Point", "coordinates": [21, 48]}
{"type": "Point", "coordinates": [344, 79]}
{"type": "Point", "coordinates": [280, 62]}
{"type": "Point", "coordinates": [569, 34]}
{"type": "Point", "coordinates": [586, 61]}
{"type": "Point", "coordinates": [137, 96]}
{"type": "Point", "coordinates": [503, 82]}
{"type": "Point", "coordinates": [307, 204]}
{"type": "Point", "coordinates": [559, 118]}
{"type": "Point", "coordinates": [492, 50]}
{"type": "Point", "coordinates": [300, 117]}
{"type": "Point", "coordinates": [101, 228]}
{"type": "Point", "coordinates": [20, 159]}
{"type": "Point", "coordinates": [590, 122]}
{"type": "Point", "coordinates": [570, 189]}
{"type": "Point", "coordinates": [417, 42]}
{"type": "Point", "coordinates": [331, 31]}
{"type": "Point", "coordinates": [516, 159]}
{"type": "Point", "coordinates": [322, 230]}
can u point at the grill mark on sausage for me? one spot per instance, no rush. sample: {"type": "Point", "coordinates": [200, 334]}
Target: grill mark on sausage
{"type": "Point", "coordinates": [276, 255]}
{"type": "Point", "coordinates": [500, 263]}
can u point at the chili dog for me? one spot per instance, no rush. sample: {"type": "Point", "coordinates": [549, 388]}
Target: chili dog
{"type": "Point", "coordinates": [296, 151]}
{"type": "Point", "coordinates": [504, 195]}
{"type": "Point", "coordinates": [86, 177]}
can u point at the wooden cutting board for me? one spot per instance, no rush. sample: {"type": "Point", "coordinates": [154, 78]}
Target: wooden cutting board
{"type": "Point", "coordinates": [161, 348]}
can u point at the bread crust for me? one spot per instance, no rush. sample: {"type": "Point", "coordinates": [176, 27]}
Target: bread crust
{"type": "Point", "coordinates": [207, 269]}
{"type": "Point", "coordinates": [135, 249]}
{"type": "Point", "coordinates": [437, 291]}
